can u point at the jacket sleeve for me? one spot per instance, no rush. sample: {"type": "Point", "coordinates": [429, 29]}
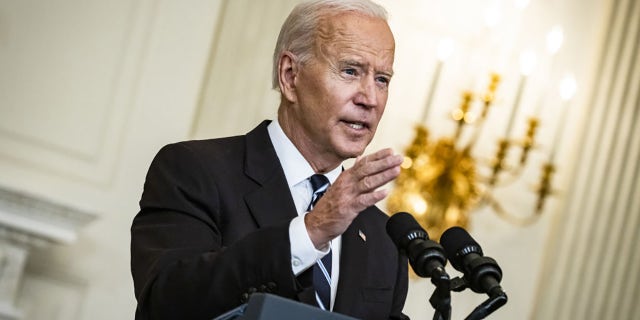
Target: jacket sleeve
{"type": "Point", "coordinates": [180, 267]}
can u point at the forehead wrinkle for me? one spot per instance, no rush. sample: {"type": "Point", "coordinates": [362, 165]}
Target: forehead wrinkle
{"type": "Point", "coordinates": [330, 36]}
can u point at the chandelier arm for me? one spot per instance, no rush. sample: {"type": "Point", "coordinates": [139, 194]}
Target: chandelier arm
{"type": "Point", "coordinates": [487, 102]}
{"type": "Point", "coordinates": [459, 127]}
{"type": "Point", "coordinates": [545, 187]}
{"type": "Point", "coordinates": [529, 141]}
{"type": "Point", "coordinates": [521, 221]}
{"type": "Point", "coordinates": [513, 174]}
{"type": "Point", "coordinates": [476, 135]}
{"type": "Point", "coordinates": [483, 200]}
{"type": "Point", "coordinates": [460, 114]}
{"type": "Point", "coordinates": [484, 179]}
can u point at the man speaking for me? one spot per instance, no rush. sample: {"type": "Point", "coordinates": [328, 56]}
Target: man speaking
{"type": "Point", "coordinates": [274, 210]}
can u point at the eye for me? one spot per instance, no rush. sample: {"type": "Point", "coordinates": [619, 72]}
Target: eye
{"type": "Point", "coordinates": [350, 71]}
{"type": "Point", "coordinates": [383, 80]}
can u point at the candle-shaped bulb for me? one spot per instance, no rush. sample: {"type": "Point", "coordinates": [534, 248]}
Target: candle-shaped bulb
{"type": "Point", "coordinates": [568, 87]}
{"type": "Point", "coordinates": [555, 37]}
{"type": "Point", "coordinates": [445, 49]}
{"type": "Point", "coordinates": [521, 4]}
{"type": "Point", "coordinates": [492, 17]}
{"type": "Point", "coordinates": [528, 61]}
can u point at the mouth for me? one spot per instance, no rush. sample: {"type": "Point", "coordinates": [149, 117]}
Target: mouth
{"type": "Point", "coordinates": [356, 125]}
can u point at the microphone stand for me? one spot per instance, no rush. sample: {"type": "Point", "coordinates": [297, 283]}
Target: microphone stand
{"type": "Point", "coordinates": [497, 298]}
{"type": "Point", "coordinates": [441, 298]}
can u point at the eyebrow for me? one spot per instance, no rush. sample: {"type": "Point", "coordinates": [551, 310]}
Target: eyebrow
{"type": "Point", "coordinates": [361, 65]}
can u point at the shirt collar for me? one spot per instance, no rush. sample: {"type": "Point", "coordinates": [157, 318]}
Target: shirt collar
{"type": "Point", "coordinates": [295, 166]}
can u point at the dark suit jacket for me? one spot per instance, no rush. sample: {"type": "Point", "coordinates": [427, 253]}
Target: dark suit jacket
{"type": "Point", "coordinates": [214, 227]}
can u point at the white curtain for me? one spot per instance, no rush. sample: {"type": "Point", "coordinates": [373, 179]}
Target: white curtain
{"type": "Point", "coordinates": [592, 270]}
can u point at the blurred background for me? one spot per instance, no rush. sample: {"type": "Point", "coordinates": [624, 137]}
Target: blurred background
{"type": "Point", "coordinates": [90, 90]}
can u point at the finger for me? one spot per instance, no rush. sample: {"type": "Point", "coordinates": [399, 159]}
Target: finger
{"type": "Point", "coordinates": [383, 153]}
{"type": "Point", "coordinates": [369, 199]}
{"type": "Point", "coordinates": [369, 167]}
{"type": "Point", "coordinates": [379, 179]}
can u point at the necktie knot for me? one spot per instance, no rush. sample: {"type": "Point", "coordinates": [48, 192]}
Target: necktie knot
{"type": "Point", "coordinates": [319, 183]}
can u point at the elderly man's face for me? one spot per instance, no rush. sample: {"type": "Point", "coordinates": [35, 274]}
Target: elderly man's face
{"type": "Point", "coordinates": [342, 91]}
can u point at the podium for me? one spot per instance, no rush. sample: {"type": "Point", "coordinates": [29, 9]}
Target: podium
{"type": "Point", "coordinates": [263, 306]}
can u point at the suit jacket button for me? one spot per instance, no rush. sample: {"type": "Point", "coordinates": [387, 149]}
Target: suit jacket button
{"type": "Point", "coordinates": [271, 287]}
{"type": "Point", "coordinates": [263, 288]}
{"type": "Point", "coordinates": [244, 298]}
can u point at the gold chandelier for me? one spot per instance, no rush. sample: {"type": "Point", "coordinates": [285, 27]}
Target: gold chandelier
{"type": "Point", "coordinates": [441, 181]}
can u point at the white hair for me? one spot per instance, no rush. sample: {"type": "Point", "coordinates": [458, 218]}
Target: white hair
{"type": "Point", "coordinates": [298, 33]}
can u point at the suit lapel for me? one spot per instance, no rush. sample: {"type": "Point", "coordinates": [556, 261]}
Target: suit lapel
{"type": "Point", "coordinates": [354, 264]}
{"type": "Point", "coordinates": [271, 202]}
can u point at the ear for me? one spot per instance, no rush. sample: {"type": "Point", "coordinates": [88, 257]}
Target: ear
{"type": "Point", "coordinates": [287, 73]}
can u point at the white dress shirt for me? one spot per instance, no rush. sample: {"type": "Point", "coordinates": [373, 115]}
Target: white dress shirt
{"type": "Point", "coordinates": [297, 171]}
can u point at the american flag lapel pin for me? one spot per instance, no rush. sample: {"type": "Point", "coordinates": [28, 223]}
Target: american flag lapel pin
{"type": "Point", "coordinates": [362, 235]}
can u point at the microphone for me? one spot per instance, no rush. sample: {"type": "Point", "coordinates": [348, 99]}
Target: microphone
{"type": "Point", "coordinates": [482, 274]}
{"type": "Point", "coordinates": [426, 256]}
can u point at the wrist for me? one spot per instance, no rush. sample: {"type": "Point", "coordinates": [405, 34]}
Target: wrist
{"type": "Point", "coordinates": [319, 240]}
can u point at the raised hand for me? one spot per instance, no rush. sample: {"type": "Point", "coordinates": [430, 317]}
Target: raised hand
{"type": "Point", "coordinates": [353, 191]}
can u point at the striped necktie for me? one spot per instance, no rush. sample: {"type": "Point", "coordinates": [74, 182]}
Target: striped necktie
{"type": "Point", "coordinates": [322, 268]}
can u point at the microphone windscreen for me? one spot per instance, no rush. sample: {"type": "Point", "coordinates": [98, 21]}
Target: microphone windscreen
{"type": "Point", "coordinates": [457, 242]}
{"type": "Point", "coordinates": [401, 225]}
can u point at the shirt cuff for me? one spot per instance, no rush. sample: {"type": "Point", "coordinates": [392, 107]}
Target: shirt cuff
{"type": "Point", "coordinates": [303, 253]}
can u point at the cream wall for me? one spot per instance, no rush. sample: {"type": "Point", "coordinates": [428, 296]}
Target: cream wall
{"type": "Point", "coordinates": [89, 91]}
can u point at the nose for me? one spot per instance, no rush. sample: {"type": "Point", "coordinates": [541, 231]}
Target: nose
{"type": "Point", "coordinates": [367, 94]}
